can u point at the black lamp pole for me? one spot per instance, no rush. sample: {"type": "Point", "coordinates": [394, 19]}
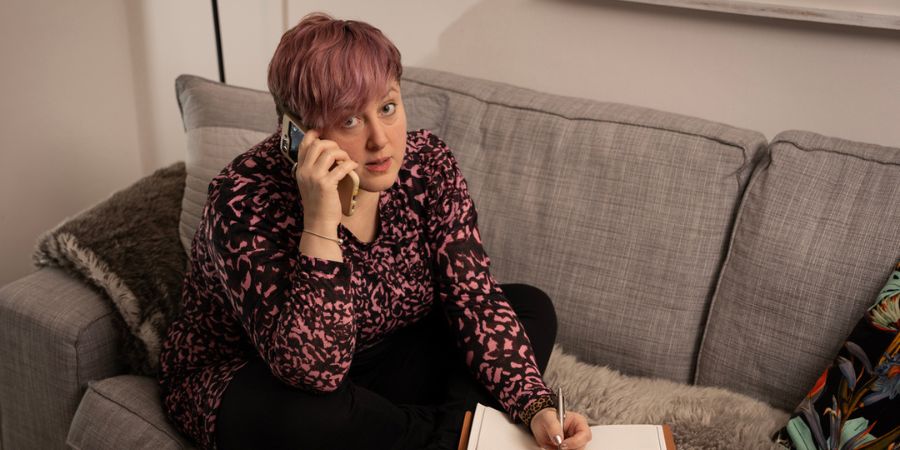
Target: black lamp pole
{"type": "Point", "coordinates": [215, 8]}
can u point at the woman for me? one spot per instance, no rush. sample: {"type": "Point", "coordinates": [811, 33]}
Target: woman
{"type": "Point", "coordinates": [305, 328]}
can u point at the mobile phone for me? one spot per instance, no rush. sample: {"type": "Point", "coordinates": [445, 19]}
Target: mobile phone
{"type": "Point", "coordinates": [291, 135]}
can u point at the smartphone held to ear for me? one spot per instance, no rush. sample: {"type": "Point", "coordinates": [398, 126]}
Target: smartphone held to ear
{"type": "Point", "coordinates": [291, 136]}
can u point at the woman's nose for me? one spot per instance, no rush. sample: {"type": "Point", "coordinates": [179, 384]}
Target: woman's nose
{"type": "Point", "coordinates": [377, 136]}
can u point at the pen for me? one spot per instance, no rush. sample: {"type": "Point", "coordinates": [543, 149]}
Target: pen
{"type": "Point", "coordinates": [561, 413]}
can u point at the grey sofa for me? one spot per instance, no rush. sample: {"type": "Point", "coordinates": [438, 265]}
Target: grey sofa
{"type": "Point", "coordinates": [673, 247]}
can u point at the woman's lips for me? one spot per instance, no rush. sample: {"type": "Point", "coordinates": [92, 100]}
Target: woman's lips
{"type": "Point", "coordinates": [380, 165]}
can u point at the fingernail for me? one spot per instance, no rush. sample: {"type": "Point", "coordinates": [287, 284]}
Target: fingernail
{"type": "Point", "coordinates": [557, 439]}
{"type": "Point", "coordinates": [564, 446]}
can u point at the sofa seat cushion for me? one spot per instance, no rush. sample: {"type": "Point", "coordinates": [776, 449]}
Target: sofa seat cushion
{"type": "Point", "coordinates": [815, 238]}
{"type": "Point", "coordinates": [123, 412]}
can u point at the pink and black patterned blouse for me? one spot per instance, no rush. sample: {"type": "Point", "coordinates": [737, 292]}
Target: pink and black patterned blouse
{"type": "Point", "coordinates": [249, 291]}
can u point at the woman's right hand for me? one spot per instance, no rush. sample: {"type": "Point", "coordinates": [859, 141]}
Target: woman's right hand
{"type": "Point", "coordinates": [318, 182]}
{"type": "Point", "coordinates": [546, 429]}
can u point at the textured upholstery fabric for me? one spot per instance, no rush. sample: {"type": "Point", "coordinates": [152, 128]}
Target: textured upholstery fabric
{"type": "Point", "coordinates": [56, 335]}
{"type": "Point", "coordinates": [815, 238]}
{"type": "Point", "coordinates": [621, 214]}
{"type": "Point", "coordinates": [223, 121]}
{"type": "Point", "coordinates": [123, 412]}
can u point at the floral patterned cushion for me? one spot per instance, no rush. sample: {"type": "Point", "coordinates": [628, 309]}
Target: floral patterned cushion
{"type": "Point", "coordinates": [855, 404]}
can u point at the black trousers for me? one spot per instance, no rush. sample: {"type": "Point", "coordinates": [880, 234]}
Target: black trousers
{"type": "Point", "coordinates": [409, 391]}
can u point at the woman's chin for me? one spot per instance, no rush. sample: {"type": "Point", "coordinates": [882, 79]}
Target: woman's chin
{"type": "Point", "coordinates": [374, 180]}
{"type": "Point", "coordinates": [379, 184]}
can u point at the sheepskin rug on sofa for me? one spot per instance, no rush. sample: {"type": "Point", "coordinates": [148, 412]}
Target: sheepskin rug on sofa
{"type": "Point", "coordinates": [702, 418]}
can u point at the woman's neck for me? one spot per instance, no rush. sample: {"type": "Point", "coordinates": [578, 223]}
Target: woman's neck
{"type": "Point", "coordinates": [366, 201]}
{"type": "Point", "coordinates": [364, 219]}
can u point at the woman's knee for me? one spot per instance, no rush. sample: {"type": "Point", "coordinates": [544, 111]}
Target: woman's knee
{"type": "Point", "coordinates": [532, 305]}
{"type": "Point", "coordinates": [258, 411]}
{"type": "Point", "coordinates": [537, 315]}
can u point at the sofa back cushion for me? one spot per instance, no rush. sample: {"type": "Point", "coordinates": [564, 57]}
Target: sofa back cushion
{"type": "Point", "coordinates": [816, 237]}
{"type": "Point", "coordinates": [620, 213]}
{"type": "Point", "coordinates": [220, 122]}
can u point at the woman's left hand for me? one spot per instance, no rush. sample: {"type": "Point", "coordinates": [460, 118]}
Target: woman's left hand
{"type": "Point", "coordinates": [545, 427]}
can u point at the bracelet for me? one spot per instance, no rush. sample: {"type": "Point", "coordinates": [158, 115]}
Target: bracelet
{"type": "Point", "coordinates": [337, 241]}
{"type": "Point", "coordinates": [534, 407]}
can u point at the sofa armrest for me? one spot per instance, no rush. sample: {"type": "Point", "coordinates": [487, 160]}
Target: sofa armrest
{"type": "Point", "coordinates": [56, 334]}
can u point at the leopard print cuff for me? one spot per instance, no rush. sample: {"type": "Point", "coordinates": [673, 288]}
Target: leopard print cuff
{"type": "Point", "coordinates": [547, 401]}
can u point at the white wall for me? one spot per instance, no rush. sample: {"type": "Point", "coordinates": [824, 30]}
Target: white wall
{"type": "Point", "coordinates": [68, 133]}
{"type": "Point", "coordinates": [88, 104]}
{"type": "Point", "coordinates": [759, 73]}
{"type": "Point", "coordinates": [167, 38]}
{"type": "Point", "coordinates": [102, 73]}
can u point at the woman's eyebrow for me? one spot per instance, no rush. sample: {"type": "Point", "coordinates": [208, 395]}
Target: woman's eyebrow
{"type": "Point", "coordinates": [391, 92]}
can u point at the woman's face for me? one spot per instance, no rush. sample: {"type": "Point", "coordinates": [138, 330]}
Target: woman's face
{"type": "Point", "coordinates": [376, 139]}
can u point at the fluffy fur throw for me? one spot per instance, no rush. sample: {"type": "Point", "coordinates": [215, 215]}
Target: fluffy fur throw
{"type": "Point", "coordinates": [702, 418]}
{"type": "Point", "coordinates": [127, 247]}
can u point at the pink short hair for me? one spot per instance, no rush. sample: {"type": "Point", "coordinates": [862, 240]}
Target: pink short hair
{"type": "Point", "coordinates": [325, 70]}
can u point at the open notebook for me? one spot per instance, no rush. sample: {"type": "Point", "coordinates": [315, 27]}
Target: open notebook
{"type": "Point", "coordinates": [492, 430]}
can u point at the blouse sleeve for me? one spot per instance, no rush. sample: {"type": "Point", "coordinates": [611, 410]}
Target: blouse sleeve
{"type": "Point", "coordinates": [296, 309]}
{"type": "Point", "coordinates": [496, 347]}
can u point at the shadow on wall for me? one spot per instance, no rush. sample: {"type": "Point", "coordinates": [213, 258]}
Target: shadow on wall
{"type": "Point", "coordinates": [729, 68]}
{"type": "Point", "coordinates": [145, 103]}
{"type": "Point", "coordinates": [605, 50]}
{"type": "Point", "coordinates": [562, 40]}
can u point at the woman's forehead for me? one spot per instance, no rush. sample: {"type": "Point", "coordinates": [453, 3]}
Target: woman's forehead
{"type": "Point", "coordinates": [392, 87]}
{"type": "Point", "coordinates": [374, 100]}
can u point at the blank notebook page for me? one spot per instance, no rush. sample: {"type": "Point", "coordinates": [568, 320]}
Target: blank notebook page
{"type": "Point", "coordinates": [492, 430]}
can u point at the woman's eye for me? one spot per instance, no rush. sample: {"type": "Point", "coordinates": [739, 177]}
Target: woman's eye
{"type": "Point", "coordinates": [389, 108]}
{"type": "Point", "coordinates": [350, 122]}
